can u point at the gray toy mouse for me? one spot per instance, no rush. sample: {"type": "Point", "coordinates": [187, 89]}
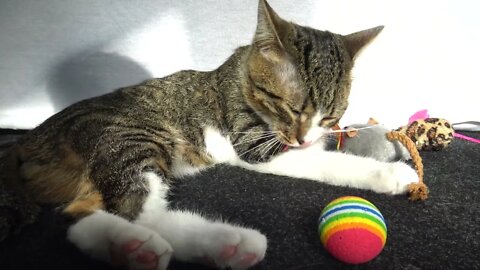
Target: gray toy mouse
{"type": "Point", "coordinates": [370, 140]}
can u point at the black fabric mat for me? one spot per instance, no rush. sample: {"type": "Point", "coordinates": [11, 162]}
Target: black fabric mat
{"type": "Point", "coordinates": [440, 233]}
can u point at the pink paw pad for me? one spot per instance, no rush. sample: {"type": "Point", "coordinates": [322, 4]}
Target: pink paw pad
{"type": "Point", "coordinates": [117, 255]}
{"type": "Point", "coordinates": [148, 259]}
{"type": "Point", "coordinates": [228, 252]}
{"type": "Point", "coordinates": [249, 259]}
{"type": "Point", "coordinates": [131, 246]}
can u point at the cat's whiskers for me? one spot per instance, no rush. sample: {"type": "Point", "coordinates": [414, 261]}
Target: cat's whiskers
{"type": "Point", "coordinates": [267, 143]}
{"type": "Point", "coordinates": [351, 129]}
{"type": "Point", "coordinates": [255, 148]}
{"type": "Point", "coordinates": [252, 132]}
{"type": "Point", "coordinates": [255, 139]}
{"type": "Point", "coordinates": [280, 144]}
{"type": "Point", "coordinates": [269, 147]}
{"type": "Point", "coordinates": [264, 150]}
{"type": "Point", "coordinates": [246, 134]}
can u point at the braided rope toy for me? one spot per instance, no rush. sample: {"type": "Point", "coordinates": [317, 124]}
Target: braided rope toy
{"type": "Point", "coordinates": [417, 191]}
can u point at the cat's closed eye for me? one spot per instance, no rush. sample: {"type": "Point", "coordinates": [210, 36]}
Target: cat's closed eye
{"type": "Point", "coordinates": [297, 112]}
{"type": "Point", "coordinates": [294, 111]}
{"type": "Point", "coordinates": [328, 121]}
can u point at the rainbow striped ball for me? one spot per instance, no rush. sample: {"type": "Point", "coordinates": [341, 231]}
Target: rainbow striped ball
{"type": "Point", "coordinates": [352, 230]}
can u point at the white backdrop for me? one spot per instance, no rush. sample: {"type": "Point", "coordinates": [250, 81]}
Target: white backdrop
{"type": "Point", "coordinates": [55, 52]}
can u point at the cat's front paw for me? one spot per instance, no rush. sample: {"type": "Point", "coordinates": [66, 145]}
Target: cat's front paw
{"type": "Point", "coordinates": [139, 248]}
{"type": "Point", "coordinates": [236, 248]}
{"type": "Point", "coordinates": [395, 177]}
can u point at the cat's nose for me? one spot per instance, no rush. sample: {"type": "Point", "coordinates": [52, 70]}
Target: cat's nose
{"type": "Point", "coordinates": [303, 143]}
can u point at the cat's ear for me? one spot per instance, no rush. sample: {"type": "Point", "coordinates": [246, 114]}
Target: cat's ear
{"type": "Point", "coordinates": [270, 29]}
{"type": "Point", "coordinates": [355, 42]}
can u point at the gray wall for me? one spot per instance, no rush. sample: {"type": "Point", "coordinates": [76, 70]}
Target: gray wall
{"type": "Point", "coordinates": [55, 52]}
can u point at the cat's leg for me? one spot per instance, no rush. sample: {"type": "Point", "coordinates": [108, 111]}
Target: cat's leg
{"type": "Point", "coordinates": [106, 228]}
{"type": "Point", "coordinates": [197, 239]}
{"type": "Point", "coordinates": [341, 169]}
{"type": "Point", "coordinates": [144, 231]}
{"type": "Point", "coordinates": [113, 239]}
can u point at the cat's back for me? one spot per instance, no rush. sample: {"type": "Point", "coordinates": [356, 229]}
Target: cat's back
{"type": "Point", "coordinates": [151, 104]}
{"type": "Point", "coordinates": [152, 95]}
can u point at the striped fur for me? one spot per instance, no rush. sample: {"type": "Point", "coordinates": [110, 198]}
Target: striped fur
{"type": "Point", "coordinates": [90, 155]}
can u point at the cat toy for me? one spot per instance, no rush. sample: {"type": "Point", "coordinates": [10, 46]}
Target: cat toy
{"type": "Point", "coordinates": [352, 230]}
{"type": "Point", "coordinates": [428, 133]}
{"type": "Point", "coordinates": [373, 140]}
{"type": "Point", "coordinates": [417, 190]}
{"type": "Point", "coordinates": [369, 140]}
{"type": "Point", "coordinates": [436, 133]}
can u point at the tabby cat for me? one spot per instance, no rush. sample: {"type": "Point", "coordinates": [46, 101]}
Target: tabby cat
{"type": "Point", "coordinates": [109, 160]}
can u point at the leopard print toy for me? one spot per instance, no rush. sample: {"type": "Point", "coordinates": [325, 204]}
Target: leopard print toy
{"type": "Point", "coordinates": [429, 134]}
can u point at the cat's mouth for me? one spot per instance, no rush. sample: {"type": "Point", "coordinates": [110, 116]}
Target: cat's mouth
{"type": "Point", "coordinates": [304, 145]}
{"type": "Point", "coordinates": [293, 141]}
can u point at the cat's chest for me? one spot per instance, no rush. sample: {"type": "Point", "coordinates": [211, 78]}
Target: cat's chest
{"type": "Point", "coordinates": [240, 153]}
{"type": "Point", "coordinates": [219, 147]}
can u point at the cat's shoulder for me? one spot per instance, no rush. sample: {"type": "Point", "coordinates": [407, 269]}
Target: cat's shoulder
{"type": "Point", "coordinates": [179, 77]}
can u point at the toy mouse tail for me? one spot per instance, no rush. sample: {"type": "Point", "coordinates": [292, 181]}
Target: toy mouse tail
{"type": "Point", "coordinates": [417, 191]}
{"type": "Point", "coordinates": [16, 210]}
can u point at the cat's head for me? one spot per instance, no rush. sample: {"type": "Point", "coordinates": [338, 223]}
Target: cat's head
{"type": "Point", "coordinates": [299, 77]}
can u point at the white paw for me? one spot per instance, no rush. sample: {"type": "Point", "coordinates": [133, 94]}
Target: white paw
{"type": "Point", "coordinates": [139, 248]}
{"type": "Point", "coordinates": [395, 177]}
{"type": "Point", "coordinates": [113, 239]}
{"type": "Point", "coordinates": [234, 247]}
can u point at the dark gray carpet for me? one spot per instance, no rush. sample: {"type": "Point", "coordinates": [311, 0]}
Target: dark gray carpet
{"type": "Point", "coordinates": [440, 233]}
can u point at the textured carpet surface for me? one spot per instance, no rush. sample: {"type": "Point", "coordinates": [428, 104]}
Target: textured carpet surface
{"type": "Point", "coordinates": [440, 233]}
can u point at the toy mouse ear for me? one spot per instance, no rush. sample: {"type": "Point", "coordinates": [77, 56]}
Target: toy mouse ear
{"type": "Point", "coordinates": [351, 132]}
{"type": "Point", "coordinates": [372, 121]}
